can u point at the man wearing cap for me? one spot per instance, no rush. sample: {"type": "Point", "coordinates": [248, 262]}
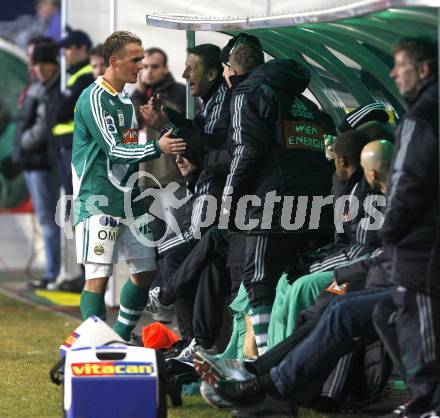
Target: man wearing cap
{"type": "Point", "coordinates": [75, 46]}
{"type": "Point", "coordinates": [33, 152]}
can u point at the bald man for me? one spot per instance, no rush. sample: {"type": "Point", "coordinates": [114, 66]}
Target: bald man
{"type": "Point", "coordinates": [375, 160]}
{"type": "Point", "coordinates": [346, 325]}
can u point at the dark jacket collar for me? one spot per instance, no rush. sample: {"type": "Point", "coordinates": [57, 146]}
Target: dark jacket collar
{"type": "Point", "coordinates": [164, 84]}
{"type": "Point", "coordinates": [421, 89]}
{"type": "Point", "coordinates": [356, 177]}
{"type": "Point", "coordinates": [53, 81]}
{"type": "Point", "coordinates": [74, 68]}
{"type": "Point", "coordinates": [212, 90]}
{"type": "Point", "coordinates": [237, 79]}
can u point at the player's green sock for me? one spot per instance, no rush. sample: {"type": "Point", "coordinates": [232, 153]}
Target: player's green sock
{"type": "Point", "coordinates": [260, 317]}
{"type": "Point", "coordinates": [92, 304]}
{"type": "Point", "coordinates": [132, 303]}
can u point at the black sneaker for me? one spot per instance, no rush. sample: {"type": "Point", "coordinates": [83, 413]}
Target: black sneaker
{"type": "Point", "coordinates": [212, 398]}
{"type": "Point", "coordinates": [213, 369]}
{"type": "Point", "coordinates": [240, 393]}
{"type": "Point", "coordinates": [175, 350]}
{"type": "Point", "coordinates": [398, 412]}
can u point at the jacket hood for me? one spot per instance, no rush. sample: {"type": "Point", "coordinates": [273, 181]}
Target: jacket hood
{"type": "Point", "coordinates": [280, 74]}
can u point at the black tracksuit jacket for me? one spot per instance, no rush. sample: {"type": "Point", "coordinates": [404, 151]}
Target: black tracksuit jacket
{"type": "Point", "coordinates": [278, 141]}
{"type": "Point", "coordinates": [411, 227]}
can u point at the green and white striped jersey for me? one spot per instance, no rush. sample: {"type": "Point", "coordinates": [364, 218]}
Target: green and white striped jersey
{"type": "Point", "coordinates": [106, 152]}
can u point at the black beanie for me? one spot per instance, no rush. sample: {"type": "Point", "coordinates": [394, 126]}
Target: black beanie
{"type": "Point", "coordinates": [374, 111]}
{"type": "Point", "coordinates": [44, 53]}
{"type": "Point", "coordinates": [241, 38]}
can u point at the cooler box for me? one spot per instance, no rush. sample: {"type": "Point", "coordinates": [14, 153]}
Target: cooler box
{"type": "Point", "coordinates": [111, 382]}
{"type": "Point", "coordinates": [92, 332]}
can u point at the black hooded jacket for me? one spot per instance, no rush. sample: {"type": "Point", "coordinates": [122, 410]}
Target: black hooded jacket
{"type": "Point", "coordinates": [278, 141]}
{"type": "Point", "coordinates": [411, 226]}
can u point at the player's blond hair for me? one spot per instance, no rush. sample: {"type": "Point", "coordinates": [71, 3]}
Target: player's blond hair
{"type": "Point", "coordinates": [116, 42]}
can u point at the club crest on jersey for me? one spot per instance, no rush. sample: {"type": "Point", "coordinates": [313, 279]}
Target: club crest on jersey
{"type": "Point", "coordinates": [130, 136]}
{"type": "Point", "coordinates": [99, 249]}
{"type": "Point", "coordinates": [121, 118]}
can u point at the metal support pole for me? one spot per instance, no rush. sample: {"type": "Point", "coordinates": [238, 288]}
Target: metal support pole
{"type": "Point", "coordinates": [190, 101]}
{"type": "Point", "coordinates": [113, 8]}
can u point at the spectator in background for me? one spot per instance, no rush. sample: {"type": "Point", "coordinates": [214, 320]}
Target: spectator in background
{"type": "Point", "coordinates": [49, 11]}
{"type": "Point", "coordinates": [411, 231]}
{"type": "Point", "coordinates": [75, 46]}
{"type": "Point", "coordinates": [46, 22]}
{"type": "Point", "coordinates": [97, 60]}
{"type": "Point", "coordinates": [33, 152]}
{"type": "Point", "coordinates": [155, 78]}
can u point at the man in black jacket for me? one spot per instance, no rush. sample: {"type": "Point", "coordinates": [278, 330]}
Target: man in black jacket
{"type": "Point", "coordinates": [34, 153]}
{"type": "Point", "coordinates": [278, 156]}
{"type": "Point", "coordinates": [208, 130]}
{"type": "Point", "coordinates": [411, 227]}
{"type": "Point", "coordinates": [75, 46]}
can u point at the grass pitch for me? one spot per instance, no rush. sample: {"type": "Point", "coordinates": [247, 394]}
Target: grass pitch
{"type": "Point", "coordinates": [29, 341]}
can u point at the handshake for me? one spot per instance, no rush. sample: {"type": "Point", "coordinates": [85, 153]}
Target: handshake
{"type": "Point", "coordinates": [155, 116]}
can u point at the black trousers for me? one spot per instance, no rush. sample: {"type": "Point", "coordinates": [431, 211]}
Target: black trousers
{"type": "Point", "coordinates": [202, 284]}
{"type": "Point", "coordinates": [267, 256]}
{"type": "Point", "coordinates": [168, 265]}
{"type": "Point", "coordinates": [417, 328]}
{"type": "Point", "coordinates": [384, 318]}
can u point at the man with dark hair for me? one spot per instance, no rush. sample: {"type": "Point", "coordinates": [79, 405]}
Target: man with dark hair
{"type": "Point", "coordinates": [155, 78]}
{"type": "Point", "coordinates": [203, 73]}
{"type": "Point", "coordinates": [206, 133]}
{"type": "Point", "coordinates": [96, 57]}
{"type": "Point", "coordinates": [106, 154]}
{"type": "Point", "coordinates": [411, 232]}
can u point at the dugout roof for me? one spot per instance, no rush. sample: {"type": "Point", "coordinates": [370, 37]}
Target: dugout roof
{"type": "Point", "coordinates": [346, 45]}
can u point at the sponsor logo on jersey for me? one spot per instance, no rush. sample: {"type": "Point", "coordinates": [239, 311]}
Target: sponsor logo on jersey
{"type": "Point", "coordinates": [70, 339]}
{"type": "Point", "coordinates": [99, 249]}
{"type": "Point", "coordinates": [108, 221]}
{"type": "Point", "coordinates": [112, 368]}
{"type": "Point", "coordinates": [304, 135]}
{"type": "Point", "coordinates": [130, 136]}
{"type": "Point", "coordinates": [111, 127]}
{"type": "Point", "coordinates": [121, 118]}
{"type": "Point", "coordinates": [107, 234]}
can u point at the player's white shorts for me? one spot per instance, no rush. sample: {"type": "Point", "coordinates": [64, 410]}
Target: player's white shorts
{"type": "Point", "coordinates": [102, 241]}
